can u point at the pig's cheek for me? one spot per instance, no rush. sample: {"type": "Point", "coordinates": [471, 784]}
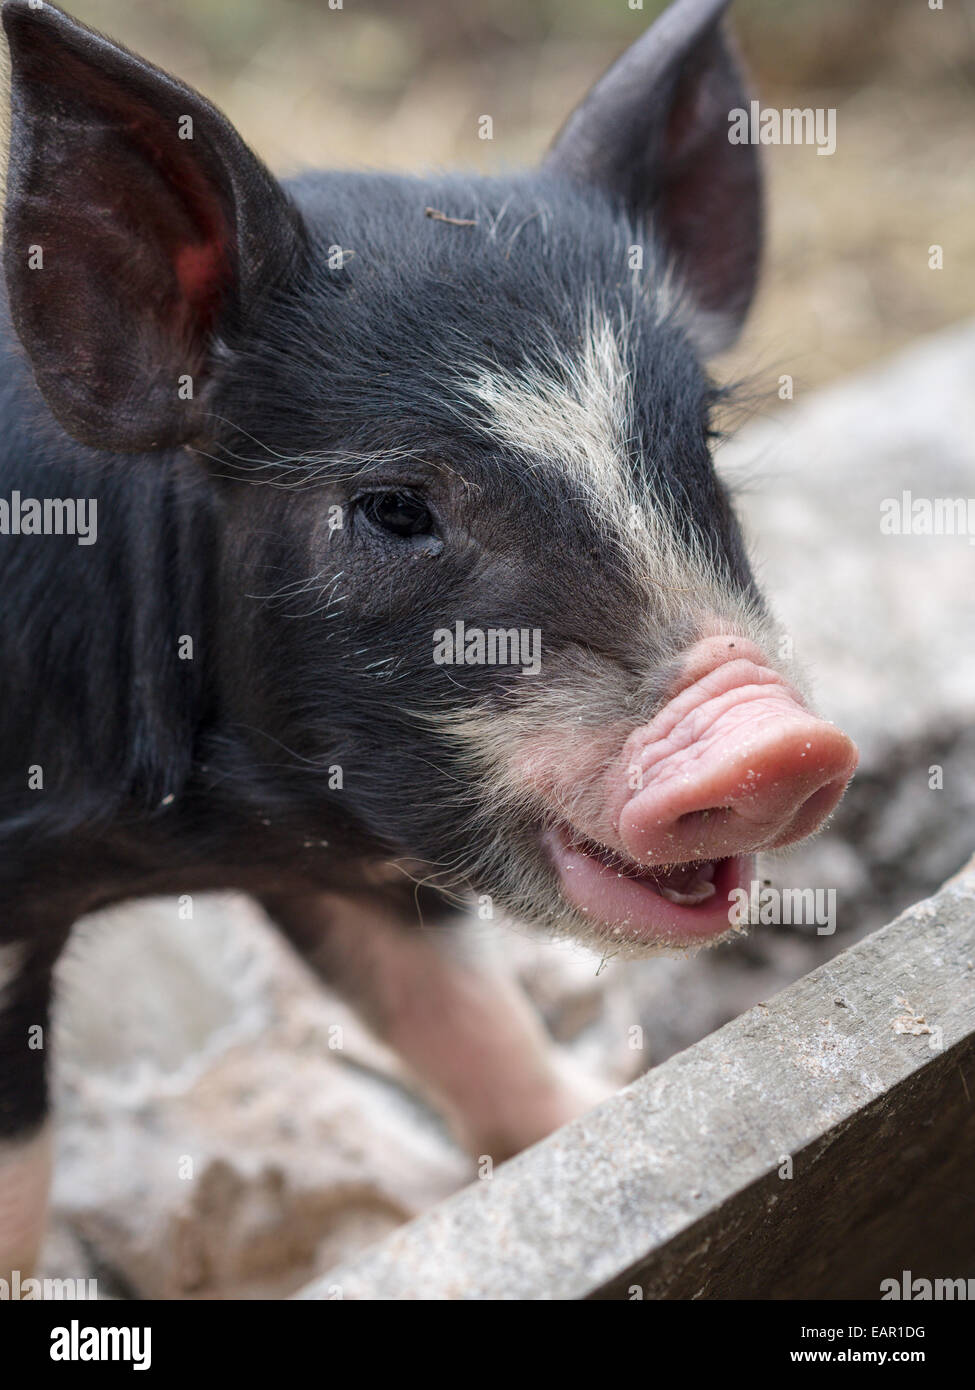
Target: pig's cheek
{"type": "Point", "coordinates": [25, 1174]}
{"type": "Point", "coordinates": [567, 772]}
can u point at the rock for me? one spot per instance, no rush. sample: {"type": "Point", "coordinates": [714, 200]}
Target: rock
{"type": "Point", "coordinates": [212, 1140]}
{"type": "Point", "coordinates": [885, 622]}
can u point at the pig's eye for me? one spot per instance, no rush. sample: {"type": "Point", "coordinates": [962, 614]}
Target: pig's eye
{"type": "Point", "coordinates": [398, 513]}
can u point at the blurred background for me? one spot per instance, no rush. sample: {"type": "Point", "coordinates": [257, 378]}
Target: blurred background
{"type": "Point", "coordinates": [400, 84]}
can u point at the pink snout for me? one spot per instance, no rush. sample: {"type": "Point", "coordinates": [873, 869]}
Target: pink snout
{"type": "Point", "coordinates": [732, 765]}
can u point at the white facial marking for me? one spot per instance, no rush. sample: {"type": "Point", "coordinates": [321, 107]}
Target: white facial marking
{"type": "Point", "coordinates": [575, 417]}
{"type": "Point", "coordinates": [569, 415]}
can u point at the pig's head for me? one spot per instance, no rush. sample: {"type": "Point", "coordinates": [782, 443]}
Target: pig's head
{"type": "Point", "coordinates": [472, 546]}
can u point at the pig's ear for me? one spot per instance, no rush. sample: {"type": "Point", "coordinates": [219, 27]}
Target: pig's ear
{"type": "Point", "coordinates": [654, 134]}
{"type": "Point", "coordinates": [139, 231]}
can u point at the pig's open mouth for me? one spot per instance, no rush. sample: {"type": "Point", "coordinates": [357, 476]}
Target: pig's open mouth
{"type": "Point", "coordinates": [731, 765]}
{"type": "Point", "coordinates": [679, 905]}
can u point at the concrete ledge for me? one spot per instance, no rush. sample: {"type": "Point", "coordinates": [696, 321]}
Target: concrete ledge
{"type": "Point", "coordinates": [860, 1079]}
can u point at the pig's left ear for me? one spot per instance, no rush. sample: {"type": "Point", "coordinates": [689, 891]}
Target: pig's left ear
{"type": "Point", "coordinates": [139, 233]}
{"type": "Point", "coordinates": [654, 134]}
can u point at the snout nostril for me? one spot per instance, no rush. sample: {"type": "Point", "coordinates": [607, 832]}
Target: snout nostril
{"type": "Point", "coordinates": [822, 802]}
{"type": "Point", "coordinates": [699, 817]}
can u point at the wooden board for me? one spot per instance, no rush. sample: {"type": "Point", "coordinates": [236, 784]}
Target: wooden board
{"type": "Point", "coordinates": [814, 1146]}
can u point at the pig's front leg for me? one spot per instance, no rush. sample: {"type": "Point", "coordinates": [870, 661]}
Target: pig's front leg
{"type": "Point", "coordinates": [471, 1037]}
{"type": "Point", "coordinates": [25, 1152]}
{"type": "Point", "coordinates": [25, 1177]}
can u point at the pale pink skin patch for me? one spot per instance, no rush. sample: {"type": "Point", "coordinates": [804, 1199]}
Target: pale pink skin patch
{"type": "Point", "coordinates": [25, 1177]}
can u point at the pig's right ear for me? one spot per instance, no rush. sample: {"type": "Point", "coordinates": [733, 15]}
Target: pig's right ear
{"type": "Point", "coordinates": [139, 231]}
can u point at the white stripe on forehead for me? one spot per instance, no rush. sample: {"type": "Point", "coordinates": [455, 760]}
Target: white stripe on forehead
{"type": "Point", "coordinates": [569, 414]}
{"type": "Point", "coordinates": [574, 416]}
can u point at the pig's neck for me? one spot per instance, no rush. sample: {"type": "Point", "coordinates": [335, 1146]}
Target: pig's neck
{"type": "Point", "coordinates": [105, 648]}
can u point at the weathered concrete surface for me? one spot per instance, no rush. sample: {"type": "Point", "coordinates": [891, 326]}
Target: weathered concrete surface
{"type": "Point", "coordinates": [816, 1145]}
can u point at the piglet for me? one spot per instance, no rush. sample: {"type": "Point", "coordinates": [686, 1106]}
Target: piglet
{"type": "Point", "coordinates": [362, 550]}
